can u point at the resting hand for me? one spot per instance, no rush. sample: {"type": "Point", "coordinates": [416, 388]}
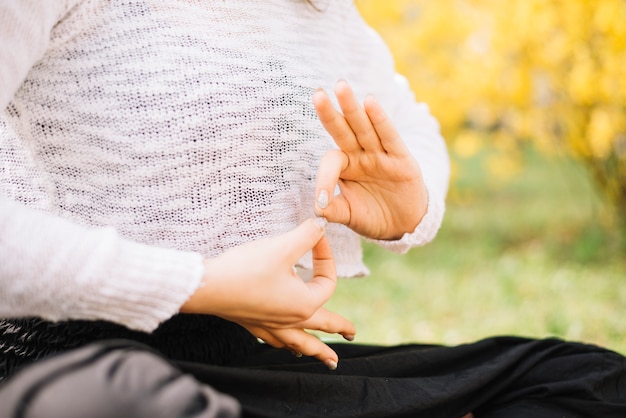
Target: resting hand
{"type": "Point", "coordinates": [256, 286]}
{"type": "Point", "coordinates": [382, 194]}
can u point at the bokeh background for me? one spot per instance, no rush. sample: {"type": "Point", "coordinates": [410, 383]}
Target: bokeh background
{"type": "Point", "coordinates": [531, 97]}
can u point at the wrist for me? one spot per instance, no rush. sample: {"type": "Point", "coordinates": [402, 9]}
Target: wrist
{"type": "Point", "coordinates": [415, 212]}
{"type": "Point", "coordinates": [199, 301]}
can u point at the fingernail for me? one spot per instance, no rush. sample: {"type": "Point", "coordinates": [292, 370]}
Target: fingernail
{"type": "Point", "coordinates": [321, 222]}
{"type": "Point", "coordinates": [332, 365]}
{"type": "Point", "coordinates": [349, 337]}
{"type": "Point", "coordinates": [296, 354]}
{"type": "Point", "coordinates": [322, 199]}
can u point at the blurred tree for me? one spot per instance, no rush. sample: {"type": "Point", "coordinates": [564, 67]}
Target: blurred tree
{"type": "Point", "coordinates": [548, 71]}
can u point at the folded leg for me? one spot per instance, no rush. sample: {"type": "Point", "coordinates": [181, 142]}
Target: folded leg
{"type": "Point", "coordinates": [109, 379]}
{"type": "Point", "coordinates": [503, 376]}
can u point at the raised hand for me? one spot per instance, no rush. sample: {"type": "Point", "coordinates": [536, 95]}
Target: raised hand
{"type": "Point", "coordinates": [382, 193]}
{"type": "Point", "coordinates": [256, 286]}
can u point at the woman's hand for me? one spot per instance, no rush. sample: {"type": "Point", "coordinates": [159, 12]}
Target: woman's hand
{"type": "Point", "coordinates": [382, 194]}
{"type": "Point", "coordinates": [256, 286]}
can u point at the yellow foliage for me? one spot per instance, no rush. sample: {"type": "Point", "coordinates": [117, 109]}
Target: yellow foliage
{"type": "Point", "coordinates": [551, 71]}
{"type": "Point", "coordinates": [468, 143]}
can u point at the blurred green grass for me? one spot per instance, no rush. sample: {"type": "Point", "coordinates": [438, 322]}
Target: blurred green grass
{"type": "Point", "coordinates": [537, 255]}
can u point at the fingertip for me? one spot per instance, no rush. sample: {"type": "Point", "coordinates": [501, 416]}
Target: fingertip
{"type": "Point", "coordinates": [371, 105]}
{"type": "Point", "coordinates": [341, 82]}
{"type": "Point", "coordinates": [316, 230]}
{"type": "Point", "coordinates": [331, 364]}
{"type": "Point", "coordinates": [370, 100]}
{"type": "Point", "coordinates": [329, 357]}
{"type": "Point", "coordinates": [341, 86]}
{"type": "Point", "coordinates": [321, 222]}
{"type": "Point", "coordinates": [319, 96]}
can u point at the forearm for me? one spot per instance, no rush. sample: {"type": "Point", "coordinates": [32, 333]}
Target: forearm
{"type": "Point", "coordinates": [58, 270]}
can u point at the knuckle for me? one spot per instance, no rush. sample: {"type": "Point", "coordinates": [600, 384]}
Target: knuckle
{"type": "Point", "coordinates": [309, 310]}
{"type": "Point", "coordinates": [302, 315]}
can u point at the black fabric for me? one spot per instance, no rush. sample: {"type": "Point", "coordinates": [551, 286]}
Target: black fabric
{"type": "Point", "coordinates": [496, 377]}
{"type": "Point", "coordinates": [199, 338]}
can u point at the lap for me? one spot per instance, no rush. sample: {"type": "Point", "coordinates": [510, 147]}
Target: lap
{"type": "Point", "coordinates": [556, 378]}
{"type": "Point", "coordinates": [110, 379]}
{"type": "Point", "coordinates": [495, 377]}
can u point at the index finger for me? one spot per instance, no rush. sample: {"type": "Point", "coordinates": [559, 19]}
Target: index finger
{"type": "Point", "coordinates": [303, 238]}
{"type": "Point", "coordinates": [334, 122]}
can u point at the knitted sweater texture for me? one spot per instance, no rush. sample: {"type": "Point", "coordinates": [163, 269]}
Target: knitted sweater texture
{"type": "Point", "coordinates": [138, 137]}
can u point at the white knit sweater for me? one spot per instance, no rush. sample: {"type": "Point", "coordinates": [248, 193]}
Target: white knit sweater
{"type": "Point", "coordinates": [138, 137]}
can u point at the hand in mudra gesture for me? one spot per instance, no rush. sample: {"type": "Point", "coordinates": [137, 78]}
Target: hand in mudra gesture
{"type": "Point", "coordinates": [254, 285]}
{"type": "Point", "coordinates": [382, 193]}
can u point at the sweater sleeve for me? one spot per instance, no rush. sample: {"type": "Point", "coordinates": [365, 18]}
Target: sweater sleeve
{"type": "Point", "coordinates": [25, 27]}
{"type": "Point", "coordinates": [420, 131]}
{"type": "Point", "coordinates": [53, 268]}
{"type": "Point", "coordinates": [57, 270]}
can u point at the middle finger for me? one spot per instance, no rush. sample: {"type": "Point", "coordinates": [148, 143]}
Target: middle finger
{"type": "Point", "coordinates": [331, 323]}
{"type": "Point", "coordinates": [357, 118]}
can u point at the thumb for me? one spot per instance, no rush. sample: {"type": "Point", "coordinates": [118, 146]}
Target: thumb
{"type": "Point", "coordinates": [303, 238]}
{"type": "Point", "coordinates": [324, 279]}
{"type": "Point", "coordinates": [335, 209]}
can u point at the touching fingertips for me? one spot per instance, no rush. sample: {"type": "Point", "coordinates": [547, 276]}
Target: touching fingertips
{"type": "Point", "coordinates": [321, 222]}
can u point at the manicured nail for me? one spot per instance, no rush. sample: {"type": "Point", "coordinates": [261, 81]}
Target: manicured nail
{"type": "Point", "coordinates": [322, 199]}
{"type": "Point", "coordinates": [349, 337]}
{"type": "Point", "coordinates": [332, 365]}
{"type": "Point", "coordinates": [321, 222]}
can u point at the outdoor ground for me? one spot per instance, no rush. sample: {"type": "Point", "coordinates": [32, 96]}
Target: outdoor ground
{"type": "Point", "coordinates": [535, 255]}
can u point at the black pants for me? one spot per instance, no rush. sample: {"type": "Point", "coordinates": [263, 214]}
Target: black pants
{"type": "Point", "coordinates": [496, 377]}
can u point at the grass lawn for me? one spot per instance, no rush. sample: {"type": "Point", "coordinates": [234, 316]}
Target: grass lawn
{"type": "Point", "coordinates": [535, 255]}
